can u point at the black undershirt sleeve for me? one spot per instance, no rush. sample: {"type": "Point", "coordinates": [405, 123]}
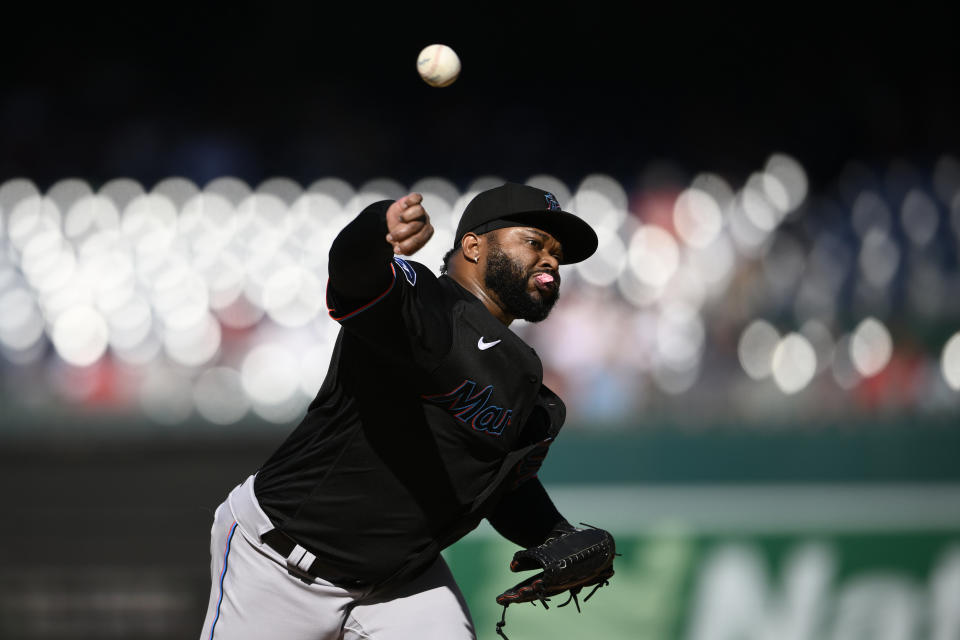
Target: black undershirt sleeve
{"type": "Point", "coordinates": [527, 516]}
{"type": "Point", "coordinates": [359, 264]}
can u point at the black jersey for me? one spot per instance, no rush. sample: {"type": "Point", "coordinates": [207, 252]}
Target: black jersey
{"type": "Point", "coordinates": [431, 413]}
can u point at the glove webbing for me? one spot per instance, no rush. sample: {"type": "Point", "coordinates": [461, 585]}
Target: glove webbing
{"type": "Point", "coordinates": [543, 601]}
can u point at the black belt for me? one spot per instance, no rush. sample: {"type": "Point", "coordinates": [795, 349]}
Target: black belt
{"type": "Point", "coordinates": [284, 545]}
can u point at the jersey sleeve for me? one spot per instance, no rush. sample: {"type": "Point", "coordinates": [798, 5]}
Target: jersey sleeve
{"type": "Point", "coordinates": [359, 265]}
{"type": "Point", "coordinates": [526, 515]}
{"type": "Point", "coordinates": [391, 303]}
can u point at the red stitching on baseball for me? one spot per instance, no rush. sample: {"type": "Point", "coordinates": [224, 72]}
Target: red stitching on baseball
{"type": "Point", "coordinates": [435, 57]}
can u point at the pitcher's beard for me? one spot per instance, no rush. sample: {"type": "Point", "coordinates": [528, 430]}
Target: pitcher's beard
{"type": "Point", "coordinates": [509, 281]}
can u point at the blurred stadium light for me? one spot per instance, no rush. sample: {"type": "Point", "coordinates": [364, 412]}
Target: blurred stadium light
{"type": "Point", "coordinates": [224, 282]}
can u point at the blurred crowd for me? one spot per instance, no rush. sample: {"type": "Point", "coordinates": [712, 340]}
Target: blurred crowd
{"type": "Point", "coordinates": [764, 301]}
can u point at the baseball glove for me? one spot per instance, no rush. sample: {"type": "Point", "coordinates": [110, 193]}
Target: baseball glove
{"type": "Point", "coordinates": [569, 561]}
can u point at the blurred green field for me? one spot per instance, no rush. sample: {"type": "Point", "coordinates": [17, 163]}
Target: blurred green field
{"type": "Point", "coordinates": [800, 563]}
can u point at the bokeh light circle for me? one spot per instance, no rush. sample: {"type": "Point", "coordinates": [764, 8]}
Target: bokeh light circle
{"type": "Point", "coordinates": [697, 217]}
{"type": "Point", "coordinates": [80, 335]}
{"type": "Point", "coordinates": [794, 363]}
{"type": "Point", "coordinates": [871, 347]}
{"type": "Point", "coordinates": [755, 348]}
{"type": "Point", "coordinates": [653, 255]}
{"type": "Point", "coordinates": [269, 374]}
{"type": "Point", "coordinates": [950, 362]}
{"type": "Point", "coordinates": [219, 397]}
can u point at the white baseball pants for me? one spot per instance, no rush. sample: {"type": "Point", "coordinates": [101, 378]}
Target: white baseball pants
{"type": "Point", "coordinates": [253, 597]}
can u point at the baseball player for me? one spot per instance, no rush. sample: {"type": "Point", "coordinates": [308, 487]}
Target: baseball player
{"type": "Point", "coordinates": [432, 417]}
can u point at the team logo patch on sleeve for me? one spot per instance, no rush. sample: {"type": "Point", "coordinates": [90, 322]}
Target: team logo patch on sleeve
{"type": "Point", "coordinates": [408, 271]}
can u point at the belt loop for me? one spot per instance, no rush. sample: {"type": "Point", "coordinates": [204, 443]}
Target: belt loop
{"type": "Point", "coordinates": [300, 558]}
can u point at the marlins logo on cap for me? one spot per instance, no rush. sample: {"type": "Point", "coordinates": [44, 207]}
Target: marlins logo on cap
{"type": "Point", "coordinates": [552, 203]}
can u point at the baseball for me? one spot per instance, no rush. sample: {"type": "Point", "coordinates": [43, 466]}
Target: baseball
{"type": "Point", "coordinates": [438, 65]}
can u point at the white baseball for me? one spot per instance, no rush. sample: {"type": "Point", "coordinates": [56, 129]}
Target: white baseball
{"type": "Point", "coordinates": [438, 65]}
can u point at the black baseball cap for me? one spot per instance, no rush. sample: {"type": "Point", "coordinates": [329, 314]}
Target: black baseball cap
{"type": "Point", "coordinates": [520, 205]}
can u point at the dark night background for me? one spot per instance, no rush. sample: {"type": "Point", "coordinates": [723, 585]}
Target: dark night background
{"type": "Point", "coordinates": [200, 92]}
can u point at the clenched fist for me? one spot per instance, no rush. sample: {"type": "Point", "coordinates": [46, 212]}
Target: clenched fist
{"type": "Point", "coordinates": [408, 225]}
